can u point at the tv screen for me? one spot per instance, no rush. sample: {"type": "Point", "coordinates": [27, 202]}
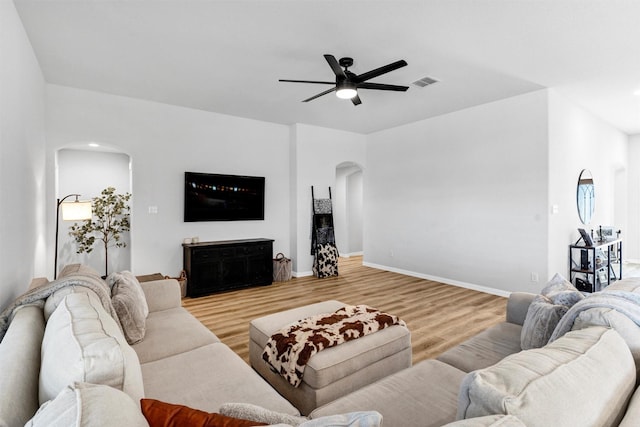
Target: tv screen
{"type": "Point", "coordinates": [213, 197]}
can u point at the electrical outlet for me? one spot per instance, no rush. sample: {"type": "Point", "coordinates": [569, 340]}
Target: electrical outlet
{"type": "Point", "coordinates": [534, 277]}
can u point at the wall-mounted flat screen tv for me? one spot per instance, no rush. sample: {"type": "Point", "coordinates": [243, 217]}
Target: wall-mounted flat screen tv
{"type": "Point", "coordinates": [214, 197]}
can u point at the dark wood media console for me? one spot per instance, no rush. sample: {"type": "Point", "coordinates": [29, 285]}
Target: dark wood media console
{"type": "Point", "coordinates": [225, 265]}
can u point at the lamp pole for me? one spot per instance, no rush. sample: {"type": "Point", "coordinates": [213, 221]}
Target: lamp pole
{"type": "Point", "coordinates": [55, 266]}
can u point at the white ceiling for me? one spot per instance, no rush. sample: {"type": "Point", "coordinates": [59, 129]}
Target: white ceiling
{"type": "Point", "coordinates": [227, 56]}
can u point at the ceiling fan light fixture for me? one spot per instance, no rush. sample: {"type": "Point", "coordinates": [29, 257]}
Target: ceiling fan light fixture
{"type": "Point", "coordinates": [346, 90]}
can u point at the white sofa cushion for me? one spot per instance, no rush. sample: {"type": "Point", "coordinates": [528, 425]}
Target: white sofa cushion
{"type": "Point", "coordinates": [83, 343]}
{"type": "Point", "coordinates": [89, 405]}
{"type": "Point", "coordinates": [528, 384]}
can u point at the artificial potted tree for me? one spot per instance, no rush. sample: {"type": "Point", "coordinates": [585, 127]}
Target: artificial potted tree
{"type": "Point", "coordinates": [110, 219]}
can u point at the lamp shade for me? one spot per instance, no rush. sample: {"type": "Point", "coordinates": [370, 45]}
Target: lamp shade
{"type": "Point", "coordinates": [345, 90]}
{"type": "Point", "coordinates": [76, 211]}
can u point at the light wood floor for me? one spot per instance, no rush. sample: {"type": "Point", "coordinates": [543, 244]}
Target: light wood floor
{"type": "Point", "coordinates": [439, 316]}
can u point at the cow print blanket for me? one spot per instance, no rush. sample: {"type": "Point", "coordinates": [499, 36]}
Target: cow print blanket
{"type": "Point", "coordinates": [288, 350]}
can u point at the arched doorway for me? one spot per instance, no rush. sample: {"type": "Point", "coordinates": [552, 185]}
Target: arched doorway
{"type": "Point", "coordinates": [87, 170]}
{"type": "Point", "coordinates": [348, 208]}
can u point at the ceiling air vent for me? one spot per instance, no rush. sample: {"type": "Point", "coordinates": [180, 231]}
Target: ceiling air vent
{"type": "Point", "coordinates": [425, 81]}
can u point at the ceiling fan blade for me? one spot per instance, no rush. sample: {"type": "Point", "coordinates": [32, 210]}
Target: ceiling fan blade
{"type": "Point", "coordinates": [335, 66]}
{"type": "Point", "coordinates": [307, 81]}
{"type": "Point", "coordinates": [320, 94]}
{"type": "Point", "coordinates": [380, 86]}
{"type": "Point", "coordinates": [356, 100]}
{"type": "Point", "coordinates": [379, 71]}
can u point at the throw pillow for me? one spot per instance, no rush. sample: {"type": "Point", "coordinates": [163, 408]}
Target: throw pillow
{"type": "Point", "coordinates": [259, 414]}
{"type": "Point", "coordinates": [542, 318]}
{"type": "Point", "coordinates": [262, 415]}
{"type": "Point", "coordinates": [130, 304]}
{"type": "Point", "coordinates": [82, 342]}
{"type": "Point", "coordinates": [560, 291]}
{"type": "Point", "coordinates": [89, 405]}
{"type": "Point", "coordinates": [161, 414]}
{"type": "Point", "coordinates": [546, 310]}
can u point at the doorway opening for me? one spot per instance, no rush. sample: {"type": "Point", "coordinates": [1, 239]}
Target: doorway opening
{"type": "Point", "coordinates": [88, 172]}
{"type": "Point", "coordinates": [348, 197]}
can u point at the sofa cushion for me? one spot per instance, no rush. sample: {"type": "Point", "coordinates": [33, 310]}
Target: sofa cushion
{"type": "Point", "coordinates": [53, 301]}
{"type": "Point", "coordinates": [83, 343]}
{"type": "Point", "coordinates": [206, 377]}
{"type": "Point", "coordinates": [89, 405]}
{"type": "Point", "coordinates": [527, 384]}
{"type": "Point", "coordinates": [614, 319]}
{"type": "Point", "coordinates": [484, 349]}
{"type": "Point", "coordinates": [632, 414]}
{"type": "Point", "coordinates": [162, 414]}
{"type": "Point", "coordinates": [489, 421]}
{"type": "Point", "coordinates": [130, 304]}
{"type": "Point", "coordinates": [171, 332]}
{"type": "Point", "coordinates": [424, 395]}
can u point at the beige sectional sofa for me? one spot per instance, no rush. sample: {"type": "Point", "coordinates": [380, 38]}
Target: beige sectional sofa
{"type": "Point", "coordinates": [585, 378]}
{"type": "Point", "coordinates": [179, 361]}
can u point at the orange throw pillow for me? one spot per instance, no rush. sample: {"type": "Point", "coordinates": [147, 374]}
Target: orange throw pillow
{"type": "Point", "coordinates": [161, 414]}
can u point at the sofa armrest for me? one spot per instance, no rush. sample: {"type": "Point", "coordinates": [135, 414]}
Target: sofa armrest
{"type": "Point", "coordinates": [517, 306]}
{"type": "Point", "coordinates": [162, 294]}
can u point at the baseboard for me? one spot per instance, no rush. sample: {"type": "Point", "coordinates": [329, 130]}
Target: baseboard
{"type": "Point", "coordinates": [472, 286]}
{"type": "Point", "coordinates": [302, 273]}
{"type": "Point", "coordinates": [350, 254]}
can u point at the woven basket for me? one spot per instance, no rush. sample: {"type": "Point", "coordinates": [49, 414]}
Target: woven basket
{"type": "Point", "coordinates": [281, 268]}
{"type": "Point", "coordinates": [182, 279]}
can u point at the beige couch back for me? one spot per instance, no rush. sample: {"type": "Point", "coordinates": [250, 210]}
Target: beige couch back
{"type": "Point", "coordinates": [20, 365]}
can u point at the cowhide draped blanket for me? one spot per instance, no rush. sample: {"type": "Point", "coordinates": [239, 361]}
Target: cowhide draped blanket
{"type": "Point", "coordinates": [288, 350]}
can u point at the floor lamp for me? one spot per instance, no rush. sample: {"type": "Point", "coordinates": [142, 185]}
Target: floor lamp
{"type": "Point", "coordinates": [71, 211]}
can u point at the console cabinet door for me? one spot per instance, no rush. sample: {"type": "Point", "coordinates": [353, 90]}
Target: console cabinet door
{"type": "Point", "coordinates": [219, 266]}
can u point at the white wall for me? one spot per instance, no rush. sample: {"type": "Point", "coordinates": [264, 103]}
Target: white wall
{"type": "Point", "coordinates": [578, 140]}
{"type": "Point", "coordinates": [88, 173]}
{"type": "Point", "coordinates": [462, 198]}
{"type": "Point", "coordinates": [632, 236]}
{"type": "Point", "coordinates": [164, 141]}
{"type": "Point", "coordinates": [22, 146]}
{"type": "Point", "coordinates": [317, 153]}
{"type": "Point", "coordinates": [354, 200]}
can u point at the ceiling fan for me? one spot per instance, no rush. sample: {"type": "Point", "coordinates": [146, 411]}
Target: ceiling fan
{"type": "Point", "coordinates": [348, 83]}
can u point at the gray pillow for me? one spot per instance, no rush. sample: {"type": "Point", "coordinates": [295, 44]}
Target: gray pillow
{"type": "Point", "coordinates": [542, 318]}
{"type": "Point", "coordinates": [546, 310]}
{"type": "Point", "coordinates": [130, 304]}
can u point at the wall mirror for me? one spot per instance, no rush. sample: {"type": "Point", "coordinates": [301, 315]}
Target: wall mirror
{"type": "Point", "coordinates": [586, 196]}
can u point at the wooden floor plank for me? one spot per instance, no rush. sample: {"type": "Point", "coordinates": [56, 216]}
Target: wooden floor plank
{"type": "Point", "coordinates": [439, 316]}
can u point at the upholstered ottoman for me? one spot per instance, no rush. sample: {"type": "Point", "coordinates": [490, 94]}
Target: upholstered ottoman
{"type": "Point", "coordinates": [336, 371]}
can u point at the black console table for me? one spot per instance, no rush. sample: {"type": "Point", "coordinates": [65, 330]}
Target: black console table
{"type": "Point", "coordinates": [592, 268]}
{"type": "Point", "coordinates": [229, 264]}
